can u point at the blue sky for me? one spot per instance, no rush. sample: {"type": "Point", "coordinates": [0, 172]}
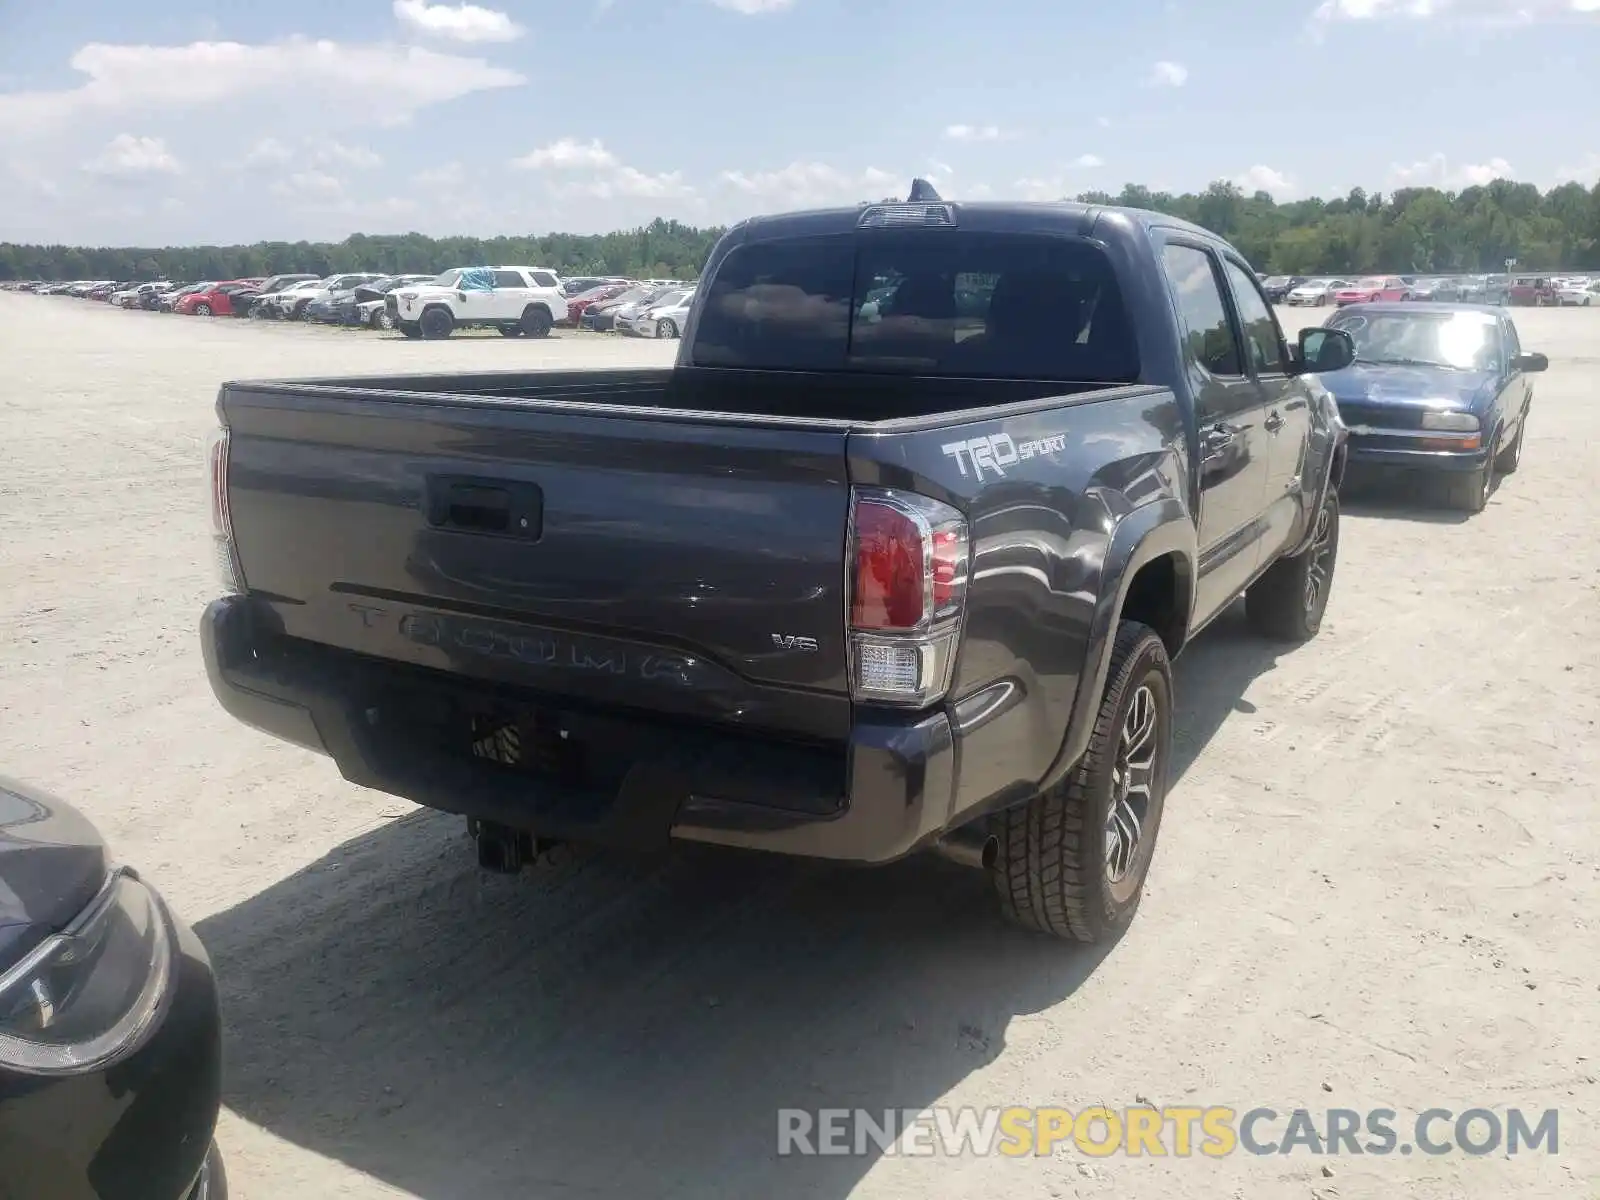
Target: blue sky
{"type": "Point", "coordinates": [150, 123]}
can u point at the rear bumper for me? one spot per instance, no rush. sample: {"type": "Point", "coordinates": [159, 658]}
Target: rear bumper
{"type": "Point", "coordinates": [884, 794]}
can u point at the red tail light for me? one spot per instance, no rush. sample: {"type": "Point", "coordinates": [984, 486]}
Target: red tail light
{"type": "Point", "coordinates": [908, 583]}
{"type": "Point", "coordinates": [221, 518]}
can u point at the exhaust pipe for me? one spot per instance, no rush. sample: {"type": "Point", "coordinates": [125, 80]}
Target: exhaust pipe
{"type": "Point", "coordinates": [969, 846]}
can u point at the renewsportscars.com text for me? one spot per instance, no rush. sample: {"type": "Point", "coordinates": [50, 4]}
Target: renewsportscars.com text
{"type": "Point", "coordinates": [1179, 1131]}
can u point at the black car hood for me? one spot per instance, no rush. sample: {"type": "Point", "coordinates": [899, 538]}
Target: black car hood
{"type": "Point", "coordinates": [52, 862]}
{"type": "Point", "coordinates": [1408, 387]}
{"type": "Point", "coordinates": [362, 295]}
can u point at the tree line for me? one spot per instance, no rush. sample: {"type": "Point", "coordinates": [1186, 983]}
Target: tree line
{"type": "Point", "coordinates": [660, 250]}
{"type": "Point", "coordinates": [1421, 229]}
{"type": "Point", "coordinates": [1412, 230]}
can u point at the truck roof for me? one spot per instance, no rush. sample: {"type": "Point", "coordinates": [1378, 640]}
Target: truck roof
{"type": "Point", "coordinates": [1019, 216]}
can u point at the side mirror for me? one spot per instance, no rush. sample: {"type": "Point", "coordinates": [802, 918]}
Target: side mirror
{"type": "Point", "coordinates": [1323, 350]}
{"type": "Point", "coordinates": [1530, 362]}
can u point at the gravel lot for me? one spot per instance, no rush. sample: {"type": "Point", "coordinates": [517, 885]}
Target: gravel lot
{"type": "Point", "coordinates": [1378, 885]}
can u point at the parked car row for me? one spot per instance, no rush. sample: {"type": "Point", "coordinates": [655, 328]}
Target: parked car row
{"type": "Point", "coordinates": [1523, 290]}
{"type": "Point", "coordinates": [517, 301]}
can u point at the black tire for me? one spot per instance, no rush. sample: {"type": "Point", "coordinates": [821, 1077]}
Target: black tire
{"type": "Point", "coordinates": [1286, 604]}
{"type": "Point", "coordinates": [1509, 459]}
{"type": "Point", "coordinates": [202, 310]}
{"type": "Point", "coordinates": [666, 328]}
{"type": "Point", "coordinates": [1469, 493]}
{"type": "Point", "coordinates": [409, 329]}
{"type": "Point", "coordinates": [1053, 866]}
{"type": "Point", "coordinates": [509, 331]}
{"type": "Point", "coordinates": [380, 320]}
{"type": "Point", "coordinates": [537, 321]}
{"type": "Point", "coordinates": [436, 323]}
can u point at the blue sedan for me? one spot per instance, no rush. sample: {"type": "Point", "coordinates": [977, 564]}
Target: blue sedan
{"type": "Point", "coordinates": [1437, 387]}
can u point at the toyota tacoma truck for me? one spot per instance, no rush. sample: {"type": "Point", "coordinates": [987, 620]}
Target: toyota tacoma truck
{"type": "Point", "coordinates": [826, 587]}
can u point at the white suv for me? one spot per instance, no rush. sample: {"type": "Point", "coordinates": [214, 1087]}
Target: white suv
{"type": "Point", "coordinates": [517, 301]}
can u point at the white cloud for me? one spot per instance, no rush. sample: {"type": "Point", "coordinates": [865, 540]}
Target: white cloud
{"type": "Point", "coordinates": [1267, 179]}
{"type": "Point", "coordinates": [1088, 161]}
{"type": "Point", "coordinates": [268, 152]}
{"type": "Point", "coordinates": [604, 175]}
{"type": "Point", "coordinates": [325, 152]}
{"type": "Point", "coordinates": [1586, 172]}
{"type": "Point", "coordinates": [375, 82]}
{"type": "Point", "coordinates": [1437, 171]}
{"type": "Point", "coordinates": [973, 133]}
{"type": "Point", "coordinates": [309, 185]}
{"type": "Point", "coordinates": [754, 8]}
{"type": "Point", "coordinates": [457, 23]}
{"type": "Point", "coordinates": [1518, 12]}
{"type": "Point", "coordinates": [312, 152]}
{"type": "Point", "coordinates": [812, 185]}
{"type": "Point", "coordinates": [567, 154]}
{"type": "Point", "coordinates": [1169, 74]}
{"type": "Point", "coordinates": [128, 157]}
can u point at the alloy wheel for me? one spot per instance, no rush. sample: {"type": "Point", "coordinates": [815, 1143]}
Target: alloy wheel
{"type": "Point", "coordinates": [1321, 550]}
{"type": "Point", "coordinates": [1132, 780]}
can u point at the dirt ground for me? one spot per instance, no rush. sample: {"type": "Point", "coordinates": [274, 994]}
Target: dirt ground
{"type": "Point", "coordinates": [1378, 883]}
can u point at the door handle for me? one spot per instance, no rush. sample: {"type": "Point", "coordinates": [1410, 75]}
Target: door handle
{"type": "Point", "coordinates": [1218, 436]}
{"type": "Point", "coordinates": [1273, 423]}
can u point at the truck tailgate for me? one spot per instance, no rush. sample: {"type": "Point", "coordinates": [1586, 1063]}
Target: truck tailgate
{"type": "Point", "coordinates": [682, 566]}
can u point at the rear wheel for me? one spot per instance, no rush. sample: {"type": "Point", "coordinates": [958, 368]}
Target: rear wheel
{"type": "Point", "coordinates": [437, 323]}
{"type": "Point", "coordinates": [1288, 601]}
{"type": "Point", "coordinates": [536, 321]}
{"type": "Point", "coordinates": [380, 319]}
{"type": "Point", "coordinates": [409, 329]}
{"type": "Point", "coordinates": [1073, 860]}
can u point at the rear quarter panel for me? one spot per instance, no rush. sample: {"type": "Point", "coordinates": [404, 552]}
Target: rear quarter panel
{"type": "Point", "coordinates": [1049, 490]}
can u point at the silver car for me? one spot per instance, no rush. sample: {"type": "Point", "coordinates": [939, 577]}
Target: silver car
{"type": "Point", "coordinates": [665, 317]}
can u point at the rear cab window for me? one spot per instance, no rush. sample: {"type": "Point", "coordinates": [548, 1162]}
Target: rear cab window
{"type": "Point", "coordinates": [931, 302]}
{"type": "Point", "coordinates": [544, 279]}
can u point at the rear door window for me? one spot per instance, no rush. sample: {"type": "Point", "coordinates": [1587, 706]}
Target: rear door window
{"type": "Point", "coordinates": [544, 279]}
{"type": "Point", "coordinates": [936, 302]}
{"type": "Point", "coordinates": [509, 279]}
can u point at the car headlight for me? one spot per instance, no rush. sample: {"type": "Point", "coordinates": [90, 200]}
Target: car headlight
{"type": "Point", "coordinates": [90, 994]}
{"type": "Point", "coordinates": [1455, 422]}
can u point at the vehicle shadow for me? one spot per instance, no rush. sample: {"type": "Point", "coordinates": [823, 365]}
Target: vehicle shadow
{"type": "Point", "coordinates": [608, 1024]}
{"type": "Point", "coordinates": [1400, 499]}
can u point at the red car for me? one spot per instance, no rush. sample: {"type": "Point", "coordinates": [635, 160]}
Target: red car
{"type": "Point", "coordinates": [1372, 289]}
{"type": "Point", "coordinates": [215, 301]}
{"type": "Point", "coordinates": [1533, 290]}
{"type": "Point", "coordinates": [583, 300]}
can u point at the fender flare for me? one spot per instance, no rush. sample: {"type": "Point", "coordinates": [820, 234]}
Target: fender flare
{"type": "Point", "coordinates": [1147, 533]}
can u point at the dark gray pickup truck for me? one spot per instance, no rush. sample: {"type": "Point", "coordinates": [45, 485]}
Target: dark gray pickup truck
{"type": "Point", "coordinates": [893, 559]}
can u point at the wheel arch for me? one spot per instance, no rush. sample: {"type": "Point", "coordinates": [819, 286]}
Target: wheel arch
{"type": "Point", "coordinates": [1148, 575]}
